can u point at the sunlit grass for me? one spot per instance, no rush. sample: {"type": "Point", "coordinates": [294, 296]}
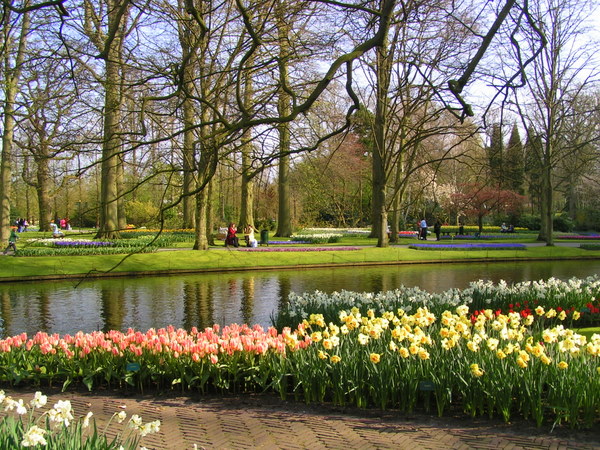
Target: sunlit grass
{"type": "Point", "coordinates": [231, 259]}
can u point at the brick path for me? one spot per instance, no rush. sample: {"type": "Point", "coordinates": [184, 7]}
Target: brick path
{"type": "Point", "coordinates": [265, 422]}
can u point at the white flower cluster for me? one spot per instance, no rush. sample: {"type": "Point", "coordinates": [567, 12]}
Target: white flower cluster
{"type": "Point", "coordinates": [360, 231]}
{"type": "Point", "coordinates": [51, 241]}
{"type": "Point", "coordinates": [410, 298]}
{"type": "Point", "coordinates": [61, 417]}
{"type": "Point", "coordinates": [553, 290]}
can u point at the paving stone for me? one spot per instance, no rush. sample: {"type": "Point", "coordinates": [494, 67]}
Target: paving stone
{"type": "Point", "coordinates": [265, 422]}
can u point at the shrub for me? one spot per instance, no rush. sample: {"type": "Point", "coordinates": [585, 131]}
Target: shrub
{"type": "Point", "coordinates": [562, 222]}
{"type": "Point", "coordinates": [529, 221]}
{"type": "Point", "coordinates": [141, 213]}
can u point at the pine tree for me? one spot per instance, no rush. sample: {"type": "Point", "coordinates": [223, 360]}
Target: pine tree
{"type": "Point", "coordinates": [514, 170]}
{"type": "Point", "coordinates": [495, 156]}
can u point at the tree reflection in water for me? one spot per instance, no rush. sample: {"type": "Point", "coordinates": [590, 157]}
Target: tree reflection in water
{"type": "Point", "coordinates": [245, 297]}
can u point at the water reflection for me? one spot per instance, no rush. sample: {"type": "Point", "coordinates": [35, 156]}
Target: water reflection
{"type": "Point", "coordinates": [249, 297]}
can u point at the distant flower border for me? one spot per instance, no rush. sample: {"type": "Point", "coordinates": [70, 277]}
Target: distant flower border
{"type": "Point", "coordinates": [483, 246]}
{"type": "Point", "coordinates": [595, 237]}
{"type": "Point", "coordinates": [295, 249]}
{"type": "Point", "coordinates": [486, 236]}
{"type": "Point", "coordinates": [83, 244]}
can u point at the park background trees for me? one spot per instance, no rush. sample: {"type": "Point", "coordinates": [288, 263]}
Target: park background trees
{"type": "Point", "coordinates": [193, 114]}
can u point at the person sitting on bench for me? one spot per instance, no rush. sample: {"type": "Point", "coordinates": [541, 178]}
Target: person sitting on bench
{"type": "Point", "coordinates": [231, 238]}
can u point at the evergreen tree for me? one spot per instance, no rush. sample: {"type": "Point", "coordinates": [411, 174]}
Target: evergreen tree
{"type": "Point", "coordinates": [532, 167]}
{"type": "Point", "coordinates": [495, 157]}
{"type": "Point", "coordinates": [513, 163]}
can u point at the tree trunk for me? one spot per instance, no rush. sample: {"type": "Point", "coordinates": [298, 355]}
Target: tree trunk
{"type": "Point", "coordinates": [247, 203]}
{"type": "Point", "coordinates": [189, 181]}
{"type": "Point", "coordinates": [112, 55]}
{"type": "Point", "coordinates": [201, 242]}
{"type": "Point", "coordinates": [43, 193]}
{"type": "Point", "coordinates": [11, 83]}
{"type": "Point", "coordinates": [6, 167]}
{"type": "Point", "coordinates": [380, 206]}
{"type": "Point", "coordinates": [121, 192]}
{"type": "Point", "coordinates": [284, 220]}
{"type": "Point", "coordinates": [109, 212]}
{"type": "Point", "coordinates": [247, 188]}
{"type": "Point", "coordinates": [210, 219]}
{"type": "Point", "coordinates": [382, 240]}
{"type": "Point", "coordinates": [546, 210]}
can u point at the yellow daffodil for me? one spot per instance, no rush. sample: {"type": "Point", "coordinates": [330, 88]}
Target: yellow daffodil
{"type": "Point", "coordinates": [562, 365]}
{"type": "Point", "coordinates": [492, 343]}
{"type": "Point", "coordinates": [335, 359]}
{"type": "Point", "coordinates": [316, 336]}
{"type": "Point", "coordinates": [476, 371]}
{"type": "Point", "coordinates": [375, 358]}
{"type": "Point", "coordinates": [473, 346]}
{"type": "Point", "coordinates": [363, 339]}
{"type": "Point", "coordinates": [462, 310]}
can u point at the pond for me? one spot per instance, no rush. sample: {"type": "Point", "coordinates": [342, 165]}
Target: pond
{"type": "Point", "coordinates": [243, 297]}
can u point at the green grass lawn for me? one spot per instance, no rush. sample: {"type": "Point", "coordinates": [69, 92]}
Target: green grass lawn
{"type": "Point", "coordinates": [219, 259]}
{"type": "Point", "coordinates": [588, 332]}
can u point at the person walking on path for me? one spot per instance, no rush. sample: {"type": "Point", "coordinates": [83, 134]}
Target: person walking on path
{"type": "Point", "coordinates": [423, 225]}
{"type": "Point", "coordinates": [12, 242]}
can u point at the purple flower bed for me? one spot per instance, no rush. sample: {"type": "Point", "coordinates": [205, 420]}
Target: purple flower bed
{"type": "Point", "coordinates": [83, 244]}
{"type": "Point", "coordinates": [287, 242]}
{"type": "Point", "coordinates": [483, 236]}
{"type": "Point", "coordinates": [486, 246]}
{"type": "Point", "coordinates": [593, 236]}
{"type": "Point", "coordinates": [302, 249]}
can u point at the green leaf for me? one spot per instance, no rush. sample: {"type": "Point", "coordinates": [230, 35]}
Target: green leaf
{"type": "Point", "coordinates": [89, 382]}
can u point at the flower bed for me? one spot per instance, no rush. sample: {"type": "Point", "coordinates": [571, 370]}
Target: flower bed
{"type": "Point", "coordinates": [287, 242]}
{"type": "Point", "coordinates": [296, 249]}
{"type": "Point", "coordinates": [323, 238]}
{"type": "Point", "coordinates": [407, 234]}
{"type": "Point", "coordinates": [494, 349]}
{"type": "Point", "coordinates": [496, 365]}
{"type": "Point", "coordinates": [82, 251]}
{"type": "Point", "coordinates": [593, 237]}
{"type": "Point", "coordinates": [581, 295]}
{"type": "Point", "coordinates": [488, 236]}
{"type": "Point", "coordinates": [58, 429]}
{"type": "Point", "coordinates": [482, 246]}
{"type": "Point", "coordinates": [83, 243]}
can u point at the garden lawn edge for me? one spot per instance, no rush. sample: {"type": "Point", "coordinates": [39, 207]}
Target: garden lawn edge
{"type": "Point", "coordinates": [190, 262]}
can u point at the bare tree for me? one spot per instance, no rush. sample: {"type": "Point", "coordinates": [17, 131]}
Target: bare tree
{"type": "Point", "coordinates": [555, 82]}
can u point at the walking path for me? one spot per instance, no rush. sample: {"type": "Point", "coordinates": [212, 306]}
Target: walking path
{"type": "Point", "coordinates": [266, 422]}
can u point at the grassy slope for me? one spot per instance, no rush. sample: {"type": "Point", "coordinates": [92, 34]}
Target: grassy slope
{"type": "Point", "coordinates": [222, 259]}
